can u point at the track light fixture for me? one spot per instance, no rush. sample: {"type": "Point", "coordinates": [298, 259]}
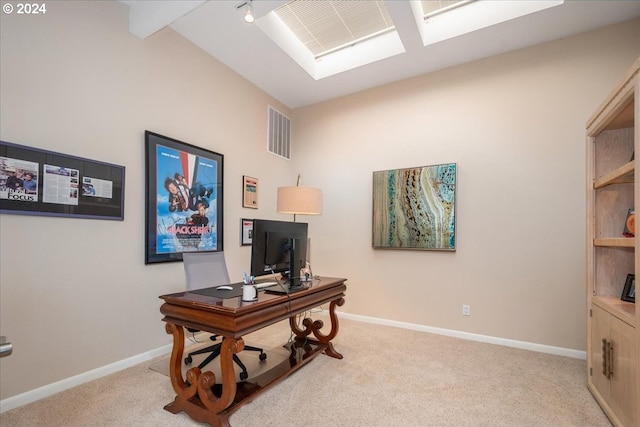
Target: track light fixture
{"type": "Point", "coordinates": [248, 11]}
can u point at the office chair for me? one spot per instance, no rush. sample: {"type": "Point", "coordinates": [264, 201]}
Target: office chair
{"type": "Point", "coordinates": [204, 270]}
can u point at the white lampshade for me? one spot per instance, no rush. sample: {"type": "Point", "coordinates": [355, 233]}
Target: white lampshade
{"type": "Point", "coordinates": [299, 200]}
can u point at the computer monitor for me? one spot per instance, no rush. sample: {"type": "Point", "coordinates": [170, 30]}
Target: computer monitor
{"type": "Point", "coordinates": [279, 247]}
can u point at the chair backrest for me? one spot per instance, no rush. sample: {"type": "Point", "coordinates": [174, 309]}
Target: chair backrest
{"type": "Point", "coordinates": [205, 269]}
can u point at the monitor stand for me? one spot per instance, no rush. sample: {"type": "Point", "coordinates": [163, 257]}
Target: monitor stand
{"type": "Point", "coordinates": [288, 289]}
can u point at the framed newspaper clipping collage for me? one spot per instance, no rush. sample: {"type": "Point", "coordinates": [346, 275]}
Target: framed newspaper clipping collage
{"type": "Point", "coordinates": [34, 181]}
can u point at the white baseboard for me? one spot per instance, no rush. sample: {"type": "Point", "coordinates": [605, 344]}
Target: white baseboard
{"type": "Point", "coordinates": [50, 389]}
{"type": "Point", "coordinates": [541, 348]}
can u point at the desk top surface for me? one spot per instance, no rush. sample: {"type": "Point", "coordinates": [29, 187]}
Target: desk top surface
{"type": "Point", "coordinates": [232, 317]}
{"type": "Point", "coordinates": [211, 299]}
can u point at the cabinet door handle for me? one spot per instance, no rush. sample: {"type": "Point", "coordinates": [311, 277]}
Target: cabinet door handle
{"type": "Point", "coordinates": [610, 360]}
{"type": "Point", "coordinates": [605, 354]}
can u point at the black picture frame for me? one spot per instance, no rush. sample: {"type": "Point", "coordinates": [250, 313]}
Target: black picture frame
{"type": "Point", "coordinates": [246, 231]}
{"type": "Point", "coordinates": [629, 291]}
{"type": "Point", "coordinates": [183, 199]}
{"type": "Point", "coordinates": [34, 181]}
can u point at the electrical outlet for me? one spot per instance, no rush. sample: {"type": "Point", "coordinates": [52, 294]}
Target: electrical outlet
{"type": "Point", "coordinates": [466, 310]}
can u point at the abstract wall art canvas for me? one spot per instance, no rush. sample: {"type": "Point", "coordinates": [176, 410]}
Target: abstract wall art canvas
{"type": "Point", "coordinates": [414, 208]}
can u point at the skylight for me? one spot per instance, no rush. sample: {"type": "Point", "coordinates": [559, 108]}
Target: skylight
{"type": "Point", "coordinates": [440, 20]}
{"type": "Point", "coordinates": [435, 7]}
{"type": "Point", "coordinates": [327, 26]}
{"type": "Point", "coordinates": [329, 37]}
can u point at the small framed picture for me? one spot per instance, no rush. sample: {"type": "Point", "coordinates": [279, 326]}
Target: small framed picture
{"type": "Point", "coordinates": [249, 192]}
{"type": "Point", "coordinates": [246, 230]}
{"type": "Point", "coordinates": [629, 291]}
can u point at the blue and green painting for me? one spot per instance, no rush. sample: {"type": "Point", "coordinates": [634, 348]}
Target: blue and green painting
{"type": "Point", "coordinates": [414, 208]}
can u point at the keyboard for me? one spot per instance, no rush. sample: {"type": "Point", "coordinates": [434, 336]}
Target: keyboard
{"type": "Point", "coordinates": [263, 285]}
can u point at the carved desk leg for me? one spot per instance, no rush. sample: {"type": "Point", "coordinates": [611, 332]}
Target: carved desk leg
{"type": "Point", "coordinates": [195, 396]}
{"type": "Point", "coordinates": [316, 326]}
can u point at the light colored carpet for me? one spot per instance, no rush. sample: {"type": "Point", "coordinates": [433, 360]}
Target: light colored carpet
{"type": "Point", "coordinates": [388, 377]}
{"type": "Point", "coordinates": [251, 360]}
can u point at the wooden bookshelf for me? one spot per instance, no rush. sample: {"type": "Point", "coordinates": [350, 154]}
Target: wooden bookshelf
{"type": "Point", "coordinates": [613, 343]}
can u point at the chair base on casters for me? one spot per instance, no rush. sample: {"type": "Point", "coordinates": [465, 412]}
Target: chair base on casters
{"type": "Point", "coordinates": [215, 352]}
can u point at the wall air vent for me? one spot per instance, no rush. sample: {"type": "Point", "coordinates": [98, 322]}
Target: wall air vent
{"type": "Point", "coordinates": [279, 141]}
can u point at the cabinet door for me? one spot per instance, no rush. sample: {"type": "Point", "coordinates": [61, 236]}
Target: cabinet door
{"type": "Point", "coordinates": [623, 382]}
{"type": "Point", "coordinates": [600, 321]}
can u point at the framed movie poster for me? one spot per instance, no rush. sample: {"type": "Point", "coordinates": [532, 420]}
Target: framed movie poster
{"type": "Point", "coordinates": [183, 199]}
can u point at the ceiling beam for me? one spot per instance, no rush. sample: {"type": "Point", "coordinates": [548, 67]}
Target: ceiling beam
{"type": "Point", "coordinates": [147, 17]}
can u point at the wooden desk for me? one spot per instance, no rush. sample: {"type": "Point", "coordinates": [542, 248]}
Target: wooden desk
{"type": "Point", "coordinates": [200, 395]}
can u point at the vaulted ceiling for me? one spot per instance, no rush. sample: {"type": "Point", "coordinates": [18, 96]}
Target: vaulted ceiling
{"type": "Point", "coordinates": [217, 27]}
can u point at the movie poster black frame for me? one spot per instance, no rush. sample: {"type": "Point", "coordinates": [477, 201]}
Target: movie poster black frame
{"type": "Point", "coordinates": [100, 205]}
{"type": "Point", "coordinates": [152, 142]}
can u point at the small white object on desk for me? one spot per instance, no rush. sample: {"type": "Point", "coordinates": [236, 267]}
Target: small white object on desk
{"type": "Point", "coordinates": [265, 285]}
{"type": "Point", "coordinates": [249, 293]}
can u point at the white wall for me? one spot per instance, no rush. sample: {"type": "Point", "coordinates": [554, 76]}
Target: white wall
{"type": "Point", "coordinates": [75, 293]}
{"type": "Point", "coordinates": [514, 124]}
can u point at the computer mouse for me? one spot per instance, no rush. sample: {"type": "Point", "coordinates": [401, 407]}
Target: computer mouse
{"type": "Point", "coordinates": [224, 288]}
